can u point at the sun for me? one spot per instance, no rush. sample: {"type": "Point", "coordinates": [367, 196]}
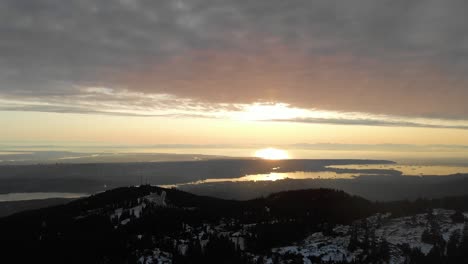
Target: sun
{"type": "Point", "coordinates": [272, 154]}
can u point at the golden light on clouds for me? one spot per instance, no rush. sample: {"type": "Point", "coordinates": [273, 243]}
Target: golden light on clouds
{"type": "Point", "coordinates": [272, 154]}
{"type": "Point", "coordinates": [268, 111]}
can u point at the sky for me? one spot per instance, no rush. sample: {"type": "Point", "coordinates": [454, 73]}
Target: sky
{"type": "Point", "coordinates": [234, 72]}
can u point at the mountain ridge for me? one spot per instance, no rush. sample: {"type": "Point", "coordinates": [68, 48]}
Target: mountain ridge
{"type": "Point", "coordinates": [128, 224]}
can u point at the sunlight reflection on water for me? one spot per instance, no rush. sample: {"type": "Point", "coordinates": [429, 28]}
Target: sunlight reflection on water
{"type": "Point", "coordinates": [274, 176]}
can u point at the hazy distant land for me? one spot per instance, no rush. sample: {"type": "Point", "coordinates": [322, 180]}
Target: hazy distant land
{"type": "Point", "coordinates": [382, 182]}
{"type": "Point", "coordinates": [9, 208]}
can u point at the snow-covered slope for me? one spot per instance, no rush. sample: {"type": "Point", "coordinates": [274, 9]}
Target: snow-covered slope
{"type": "Point", "coordinates": [372, 232]}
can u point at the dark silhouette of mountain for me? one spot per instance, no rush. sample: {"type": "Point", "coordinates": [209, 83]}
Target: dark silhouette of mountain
{"type": "Point", "coordinates": [139, 224]}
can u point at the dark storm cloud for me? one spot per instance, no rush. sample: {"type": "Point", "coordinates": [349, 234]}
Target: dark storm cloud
{"type": "Point", "coordinates": [393, 57]}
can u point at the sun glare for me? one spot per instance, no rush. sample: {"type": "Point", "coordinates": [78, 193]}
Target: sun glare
{"type": "Point", "coordinates": [272, 154]}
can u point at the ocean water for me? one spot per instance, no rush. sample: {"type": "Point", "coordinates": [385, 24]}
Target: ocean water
{"type": "Point", "coordinates": [9, 197]}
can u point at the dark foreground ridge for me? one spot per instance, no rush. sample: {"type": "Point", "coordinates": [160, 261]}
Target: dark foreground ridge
{"type": "Point", "coordinates": [149, 224]}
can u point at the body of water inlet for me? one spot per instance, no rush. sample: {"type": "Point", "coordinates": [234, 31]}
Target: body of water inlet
{"type": "Point", "coordinates": [274, 176]}
{"type": "Point", "coordinates": [409, 170]}
{"type": "Point", "coordinates": [9, 197]}
{"type": "Point", "coordinates": [406, 170]}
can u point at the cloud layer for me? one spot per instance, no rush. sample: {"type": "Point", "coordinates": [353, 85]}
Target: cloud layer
{"type": "Point", "coordinates": [404, 58]}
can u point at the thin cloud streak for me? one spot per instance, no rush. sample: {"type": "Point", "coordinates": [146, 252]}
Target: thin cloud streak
{"type": "Point", "coordinates": [368, 122]}
{"type": "Point", "coordinates": [258, 112]}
